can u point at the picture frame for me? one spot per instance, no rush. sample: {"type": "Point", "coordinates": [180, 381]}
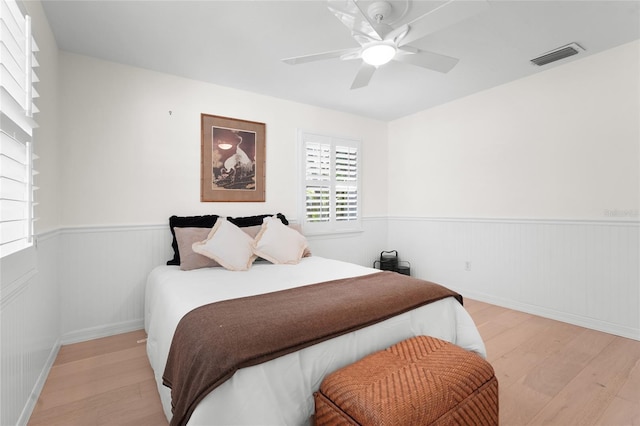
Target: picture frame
{"type": "Point", "coordinates": [232, 166]}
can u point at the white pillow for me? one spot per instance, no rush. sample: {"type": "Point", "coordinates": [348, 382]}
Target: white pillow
{"type": "Point", "coordinates": [228, 245]}
{"type": "Point", "coordinates": [278, 243]}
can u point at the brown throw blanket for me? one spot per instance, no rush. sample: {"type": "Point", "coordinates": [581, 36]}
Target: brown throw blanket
{"type": "Point", "coordinates": [213, 341]}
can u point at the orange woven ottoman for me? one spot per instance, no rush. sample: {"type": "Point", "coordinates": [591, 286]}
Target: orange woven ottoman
{"type": "Point", "coordinates": [419, 381]}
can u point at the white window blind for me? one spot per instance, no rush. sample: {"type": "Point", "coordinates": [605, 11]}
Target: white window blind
{"type": "Point", "coordinates": [330, 183]}
{"type": "Point", "coordinates": [318, 178]}
{"type": "Point", "coordinates": [346, 183]}
{"type": "Point", "coordinates": [17, 60]}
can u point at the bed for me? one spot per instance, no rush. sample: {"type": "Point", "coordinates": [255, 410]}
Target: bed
{"type": "Point", "coordinates": [280, 391]}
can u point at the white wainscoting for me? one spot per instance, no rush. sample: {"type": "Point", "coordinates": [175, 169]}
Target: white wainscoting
{"type": "Point", "coordinates": [104, 271]}
{"type": "Point", "coordinates": [361, 248]}
{"type": "Point", "coordinates": [103, 275]}
{"type": "Point", "coordinates": [30, 321]}
{"type": "Point", "coordinates": [582, 272]}
{"type": "Point", "coordinates": [83, 283]}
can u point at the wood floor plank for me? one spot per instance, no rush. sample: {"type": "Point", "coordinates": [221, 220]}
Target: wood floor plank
{"type": "Point", "coordinates": [512, 318]}
{"type": "Point", "coordinates": [129, 411]}
{"type": "Point", "coordinates": [514, 336]}
{"type": "Point", "coordinates": [110, 383]}
{"type": "Point", "coordinates": [102, 362]}
{"type": "Point", "coordinates": [105, 345]}
{"type": "Point", "coordinates": [80, 385]}
{"type": "Point", "coordinates": [490, 329]}
{"type": "Point", "coordinates": [474, 306]}
{"type": "Point", "coordinates": [591, 392]}
{"type": "Point", "coordinates": [488, 312]}
{"type": "Point", "coordinates": [527, 357]}
{"type": "Point", "coordinates": [621, 412]}
{"type": "Point", "coordinates": [558, 370]}
{"type": "Point", "coordinates": [631, 389]}
{"type": "Point", "coordinates": [519, 404]}
{"type": "Point", "coordinates": [85, 409]}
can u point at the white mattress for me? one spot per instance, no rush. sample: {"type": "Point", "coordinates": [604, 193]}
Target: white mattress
{"type": "Point", "coordinates": [280, 392]}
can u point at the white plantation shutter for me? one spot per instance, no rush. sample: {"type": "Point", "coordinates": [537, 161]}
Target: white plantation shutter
{"type": "Point", "coordinates": [17, 77]}
{"type": "Point", "coordinates": [331, 183]}
{"type": "Point", "coordinates": [318, 182]}
{"type": "Point", "coordinates": [346, 183]}
{"type": "Point", "coordinates": [318, 204]}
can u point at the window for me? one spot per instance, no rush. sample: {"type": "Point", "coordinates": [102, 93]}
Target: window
{"type": "Point", "coordinates": [330, 190]}
{"type": "Point", "coordinates": [17, 61]}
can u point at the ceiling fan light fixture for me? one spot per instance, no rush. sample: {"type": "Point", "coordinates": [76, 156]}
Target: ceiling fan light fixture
{"type": "Point", "coordinates": [378, 54]}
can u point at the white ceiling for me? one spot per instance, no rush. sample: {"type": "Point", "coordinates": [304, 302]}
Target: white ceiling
{"type": "Point", "coordinates": [240, 44]}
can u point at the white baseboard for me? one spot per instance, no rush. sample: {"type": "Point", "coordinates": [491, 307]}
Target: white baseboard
{"type": "Point", "coordinates": [581, 321]}
{"type": "Point", "coordinates": [102, 331]}
{"type": "Point", "coordinates": [39, 385]}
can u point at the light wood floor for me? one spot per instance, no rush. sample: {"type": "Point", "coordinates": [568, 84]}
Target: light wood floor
{"type": "Point", "coordinates": [101, 382]}
{"type": "Point", "coordinates": [553, 373]}
{"type": "Point", "coordinates": [550, 373]}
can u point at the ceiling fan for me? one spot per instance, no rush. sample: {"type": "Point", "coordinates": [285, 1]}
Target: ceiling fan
{"type": "Point", "coordinates": [381, 43]}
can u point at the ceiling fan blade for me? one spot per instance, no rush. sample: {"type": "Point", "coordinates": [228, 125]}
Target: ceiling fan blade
{"type": "Point", "coordinates": [355, 54]}
{"type": "Point", "coordinates": [349, 13]}
{"type": "Point", "coordinates": [362, 38]}
{"type": "Point", "coordinates": [424, 59]}
{"type": "Point", "coordinates": [364, 76]}
{"type": "Point", "coordinates": [320, 56]}
{"type": "Point", "coordinates": [441, 17]}
{"type": "Point", "coordinates": [397, 34]}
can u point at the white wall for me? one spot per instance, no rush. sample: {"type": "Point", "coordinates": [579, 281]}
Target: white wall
{"type": "Point", "coordinates": [126, 160]}
{"type": "Point", "coordinates": [561, 144]}
{"type": "Point", "coordinates": [29, 292]}
{"type": "Point", "coordinates": [127, 165]}
{"type": "Point", "coordinates": [537, 184]}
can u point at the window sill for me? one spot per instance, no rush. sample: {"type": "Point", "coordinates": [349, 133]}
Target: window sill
{"type": "Point", "coordinates": [333, 233]}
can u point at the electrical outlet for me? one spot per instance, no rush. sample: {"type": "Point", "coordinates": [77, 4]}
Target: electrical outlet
{"type": "Point", "coordinates": [467, 265]}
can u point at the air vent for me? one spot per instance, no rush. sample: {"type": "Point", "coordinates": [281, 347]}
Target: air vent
{"type": "Point", "coordinates": [557, 54]}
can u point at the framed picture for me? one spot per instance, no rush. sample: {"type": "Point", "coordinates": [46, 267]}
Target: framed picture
{"type": "Point", "coordinates": [232, 166]}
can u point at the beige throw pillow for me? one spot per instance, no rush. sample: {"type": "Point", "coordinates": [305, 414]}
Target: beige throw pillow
{"type": "Point", "coordinates": [228, 245]}
{"type": "Point", "coordinates": [278, 243]}
{"type": "Point", "coordinates": [188, 258]}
